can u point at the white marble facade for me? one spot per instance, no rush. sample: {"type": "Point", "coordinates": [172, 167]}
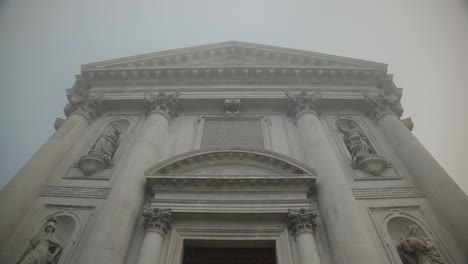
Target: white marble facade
{"type": "Point", "coordinates": [233, 145]}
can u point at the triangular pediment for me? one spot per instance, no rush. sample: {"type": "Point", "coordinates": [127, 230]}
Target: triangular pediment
{"type": "Point", "coordinates": [233, 54]}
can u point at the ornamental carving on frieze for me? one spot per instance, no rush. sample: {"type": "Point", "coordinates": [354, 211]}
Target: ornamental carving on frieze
{"type": "Point", "coordinates": [158, 220]}
{"type": "Point", "coordinates": [302, 220]}
{"type": "Point", "coordinates": [88, 106]}
{"type": "Point", "coordinates": [303, 103]}
{"type": "Point", "coordinates": [167, 104]}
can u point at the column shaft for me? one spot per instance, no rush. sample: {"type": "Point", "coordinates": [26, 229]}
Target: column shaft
{"type": "Point", "coordinates": [308, 253]}
{"type": "Point", "coordinates": [350, 242]}
{"type": "Point", "coordinates": [18, 195]}
{"type": "Point", "coordinates": [108, 239]}
{"type": "Point", "coordinates": [151, 248]}
{"type": "Point", "coordinates": [448, 200]}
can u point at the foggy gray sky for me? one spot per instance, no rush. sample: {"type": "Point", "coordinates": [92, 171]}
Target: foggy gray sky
{"type": "Point", "coordinates": [43, 43]}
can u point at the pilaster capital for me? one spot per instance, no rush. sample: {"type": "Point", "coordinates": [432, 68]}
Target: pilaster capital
{"type": "Point", "coordinates": [303, 103]}
{"type": "Point", "coordinates": [165, 104]}
{"type": "Point", "coordinates": [302, 220]}
{"type": "Point", "coordinates": [381, 105]}
{"type": "Point", "coordinates": [90, 107]}
{"type": "Point", "coordinates": [157, 220]}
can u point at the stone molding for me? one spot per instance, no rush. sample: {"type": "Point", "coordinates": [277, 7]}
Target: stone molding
{"type": "Point", "coordinates": [167, 105]}
{"type": "Point", "coordinates": [90, 107]}
{"type": "Point", "coordinates": [271, 159]}
{"type": "Point", "coordinates": [387, 193]}
{"type": "Point", "coordinates": [77, 192]}
{"type": "Point", "coordinates": [232, 106]}
{"type": "Point", "coordinates": [378, 106]}
{"type": "Point", "coordinates": [157, 220]}
{"type": "Point", "coordinates": [302, 220]}
{"type": "Point", "coordinates": [156, 183]}
{"type": "Point", "coordinates": [303, 103]}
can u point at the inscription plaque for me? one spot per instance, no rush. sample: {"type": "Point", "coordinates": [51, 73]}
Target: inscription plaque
{"type": "Point", "coordinates": [231, 132]}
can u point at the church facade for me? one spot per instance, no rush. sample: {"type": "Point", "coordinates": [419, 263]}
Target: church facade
{"type": "Point", "coordinates": [233, 153]}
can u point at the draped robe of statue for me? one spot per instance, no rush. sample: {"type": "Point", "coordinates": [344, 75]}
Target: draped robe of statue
{"type": "Point", "coordinates": [45, 251]}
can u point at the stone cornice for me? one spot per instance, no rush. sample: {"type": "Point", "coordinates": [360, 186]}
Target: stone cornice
{"type": "Point", "coordinates": [378, 106]}
{"type": "Point", "coordinates": [157, 220]}
{"type": "Point", "coordinates": [387, 193]}
{"type": "Point", "coordinates": [235, 74]}
{"type": "Point", "coordinates": [168, 105]}
{"type": "Point", "coordinates": [90, 107]}
{"type": "Point", "coordinates": [284, 182]}
{"type": "Point", "coordinates": [303, 103]}
{"type": "Point", "coordinates": [302, 220]}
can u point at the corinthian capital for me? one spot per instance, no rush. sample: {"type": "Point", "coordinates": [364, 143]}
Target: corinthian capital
{"type": "Point", "coordinates": [158, 220]}
{"type": "Point", "coordinates": [168, 105]}
{"type": "Point", "coordinates": [302, 220]}
{"type": "Point", "coordinates": [303, 103]}
{"type": "Point", "coordinates": [89, 107]}
{"type": "Point", "coordinates": [378, 106]}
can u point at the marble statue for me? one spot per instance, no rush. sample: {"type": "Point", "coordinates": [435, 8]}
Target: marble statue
{"type": "Point", "coordinates": [355, 141]}
{"type": "Point", "coordinates": [47, 250]}
{"type": "Point", "coordinates": [414, 249]}
{"type": "Point", "coordinates": [107, 144]}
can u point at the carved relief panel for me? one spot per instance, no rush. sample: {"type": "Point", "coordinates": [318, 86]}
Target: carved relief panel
{"type": "Point", "coordinates": [407, 236]}
{"type": "Point", "coordinates": [102, 152]}
{"type": "Point", "coordinates": [366, 159]}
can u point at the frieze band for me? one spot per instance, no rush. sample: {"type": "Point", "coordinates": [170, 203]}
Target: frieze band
{"type": "Point", "coordinates": [384, 193]}
{"type": "Point", "coordinates": [78, 192]}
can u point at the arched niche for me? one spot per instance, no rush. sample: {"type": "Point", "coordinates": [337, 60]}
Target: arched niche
{"type": "Point", "coordinates": [396, 225]}
{"type": "Point", "coordinates": [106, 146]}
{"type": "Point", "coordinates": [361, 151]}
{"type": "Point", "coordinates": [66, 230]}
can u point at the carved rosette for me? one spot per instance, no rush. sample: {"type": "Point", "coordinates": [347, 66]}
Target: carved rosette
{"type": "Point", "coordinates": [89, 107]}
{"type": "Point", "coordinates": [303, 103]}
{"type": "Point", "coordinates": [302, 220]}
{"type": "Point", "coordinates": [157, 220]}
{"type": "Point", "coordinates": [378, 106]}
{"type": "Point", "coordinates": [168, 105]}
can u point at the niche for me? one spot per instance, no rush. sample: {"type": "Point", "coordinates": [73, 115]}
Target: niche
{"type": "Point", "coordinates": [55, 236]}
{"type": "Point", "coordinates": [102, 153]}
{"type": "Point", "coordinates": [363, 155]}
{"type": "Point", "coordinates": [412, 243]}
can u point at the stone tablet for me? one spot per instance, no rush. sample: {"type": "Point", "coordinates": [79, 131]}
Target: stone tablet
{"type": "Point", "coordinates": [232, 132]}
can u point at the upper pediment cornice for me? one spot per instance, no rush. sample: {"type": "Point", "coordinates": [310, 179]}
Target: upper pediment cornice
{"type": "Point", "coordinates": [233, 54]}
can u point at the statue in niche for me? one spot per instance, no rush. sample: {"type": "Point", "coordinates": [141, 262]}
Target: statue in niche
{"type": "Point", "coordinates": [355, 141]}
{"type": "Point", "coordinates": [107, 144]}
{"type": "Point", "coordinates": [363, 156]}
{"type": "Point", "coordinates": [100, 156]}
{"type": "Point", "coordinates": [47, 250]}
{"type": "Point", "coordinates": [414, 249]}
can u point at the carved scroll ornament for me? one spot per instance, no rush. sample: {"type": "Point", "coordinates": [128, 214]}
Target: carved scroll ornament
{"type": "Point", "coordinates": [303, 103]}
{"type": "Point", "coordinates": [302, 220]}
{"type": "Point", "coordinates": [158, 220]}
{"type": "Point", "coordinates": [167, 104]}
{"type": "Point", "coordinates": [89, 107]}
